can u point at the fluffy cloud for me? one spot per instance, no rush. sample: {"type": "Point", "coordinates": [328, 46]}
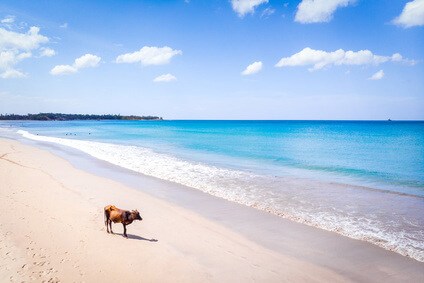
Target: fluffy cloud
{"type": "Point", "coordinates": [16, 46]}
{"type": "Point", "coordinates": [165, 78]}
{"type": "Point", "coordinates": [47, 52]}
{"type": "Point", "coordinates": [412, 14]}
{"type": "Point", "coordinates": [377, 76]}
{"type": "Point", "coordinates": [317, 11]}
{"type": "Point", "coordinates": [11, 73]}
{"type": "Point", "coordinates": [243, 7]}
{"type": "Point", "coordinates": [252, 68]}
{"type": "Point", "coordinates": [8, 20]}
{"type": "Point", "coordinates": [149, 55]}
{"type": "Point", "coordinates": [85, 61]}
{"type": "Point", "coordinates": [21, 41]}
{"type": "Point", "coordinates": [9, 58]}
{"type": "Point", "coordinates": [319, 59]}
{"type": "Point", "coordinates": [63, 70]}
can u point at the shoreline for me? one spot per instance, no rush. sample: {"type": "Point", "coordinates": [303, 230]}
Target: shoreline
{"type": "Point", "coordinates": [351, 259]}
{"type": "Point", "coordinates": [68, 149]}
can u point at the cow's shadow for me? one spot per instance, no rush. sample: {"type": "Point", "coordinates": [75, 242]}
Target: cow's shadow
{"type": "Point", "coordinates": [135, 237]}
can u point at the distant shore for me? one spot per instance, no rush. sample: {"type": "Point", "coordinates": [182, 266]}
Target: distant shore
{"type": "Point", "coordinates": [72, 117]}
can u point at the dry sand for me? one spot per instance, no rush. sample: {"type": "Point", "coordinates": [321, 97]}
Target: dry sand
{"type": "Point", "coordinates": [52, 230]}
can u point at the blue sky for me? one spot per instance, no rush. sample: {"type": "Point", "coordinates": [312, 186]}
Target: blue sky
{"type": "Point", "coordinates": [328, 59]}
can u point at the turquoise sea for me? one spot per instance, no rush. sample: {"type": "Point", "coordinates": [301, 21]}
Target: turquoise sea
{"type": "Point", "coordinates": [362, 179]}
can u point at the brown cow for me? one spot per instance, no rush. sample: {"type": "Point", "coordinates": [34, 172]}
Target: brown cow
{"type": "Point", "coordinates": [112, 213]}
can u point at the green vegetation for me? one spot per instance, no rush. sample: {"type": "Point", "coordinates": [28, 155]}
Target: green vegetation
{"type": "Point", "coordinates": [70, 117]}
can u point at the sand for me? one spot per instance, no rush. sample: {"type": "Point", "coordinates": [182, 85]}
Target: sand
{"type": "Point", "coordinates": [52, 229]}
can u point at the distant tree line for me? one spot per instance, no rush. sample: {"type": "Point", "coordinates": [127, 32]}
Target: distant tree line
{"type": "Point", "coordinates": [70, 117]}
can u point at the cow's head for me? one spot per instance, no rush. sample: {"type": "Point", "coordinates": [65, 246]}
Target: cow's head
{"type": "Point", "coordinates": [136, 215]}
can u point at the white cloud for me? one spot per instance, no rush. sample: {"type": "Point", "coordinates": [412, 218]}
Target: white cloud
{"type": "Point", "coordinates": [47, 52]}
{"type": "Point", "coordinates": [8, 20]}
{"type": "Point", "coordinates": [165, 78]}
{"type": "Point", "coordinates": [63, 70]}
{"type": "Point", "coordinates": [149, 55]}
{"type": "Point", "coordinates": [24, 55]}
{"type": "Point", "coordinates": [24, 41]}
{"type": "Point", "coordinates": [377, 76]}
{"type": "Point", "coordinates": [11, 73]}
{"type": "Point", "coordinates": [243, 7]}
{"type": "Point", "coordinates": [85, 61]}
{"type": "Point", "coordinates": [267, 12]}
{"type": "Point", "coordinates": [252, 68]}
{"type": "Point", "coordinates": [398, 58]}
{"type": "Point", "coordinates": [318, 11]}
{"type": "Point", "coordinates": [412, 14]}
{"type": "Point", "coordinates": [10, 58]}
{"type": "Point", "coordinates": [64, 25]}
{"type": "Point", "coordinates": [319, 59]}
{"type": "Point", "coordinates": [16, 46]}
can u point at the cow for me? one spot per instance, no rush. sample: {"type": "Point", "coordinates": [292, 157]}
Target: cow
{"type": "Point", "coordinates": [112, 213]}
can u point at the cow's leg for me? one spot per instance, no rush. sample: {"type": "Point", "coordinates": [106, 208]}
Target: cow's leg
{"type": "Point", "coordinates": [106, 223]}
{"type": "Point", "coordinates": [125, 230]}
{"type": "Point", "coordinates": [110, 224]}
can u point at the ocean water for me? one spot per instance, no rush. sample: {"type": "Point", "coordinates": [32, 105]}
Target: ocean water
{"type": "Point", "coordinates": [364, 180]}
